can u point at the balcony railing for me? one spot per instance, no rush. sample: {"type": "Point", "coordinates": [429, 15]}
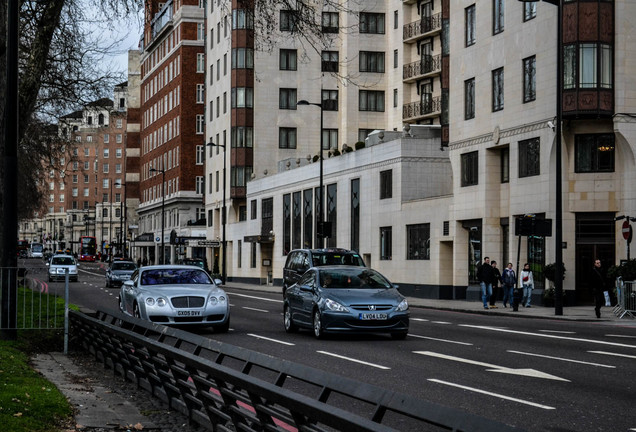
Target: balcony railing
{"type": "Point", "coordinates": [163, 17]}
{"type": "Point", "coordinates": [428, 64]}
{"type": "Point", "coordinates": [422, 27]}
{"type": "Point", "coordinates": [428, 107]}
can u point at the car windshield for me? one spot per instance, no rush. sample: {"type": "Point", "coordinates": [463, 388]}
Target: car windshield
{"type": "Point", "coordinates": [62, 261]}
{"type": "Point", "coordinates": [172, 276]}
{"type": "Point", "coordinates": [352, 279]}
{"type": "Point", "coordinates": [337, 258]}
{"type": "Point", "coordinates": [124, 266]}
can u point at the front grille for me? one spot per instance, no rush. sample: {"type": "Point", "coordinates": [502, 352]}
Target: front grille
{"type": "Point", "coordinates": [365, 307]}
{"type": "Point", "coordinates": [187, 302]}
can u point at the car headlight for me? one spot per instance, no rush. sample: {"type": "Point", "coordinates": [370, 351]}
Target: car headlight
{"type": "Point", "coordinates": [150, 301]}
{"type": "Point", "coordinates": [335, 306]}
{"type": "Point", "coordinates": [404, 305]}
{"type": "Point", "coordinates": [161, 302]}
{"type": "Point", "coordinates": [213, 300]}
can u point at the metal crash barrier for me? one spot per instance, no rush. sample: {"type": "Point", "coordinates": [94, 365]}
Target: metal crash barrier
{"type": "Point", "coordinates": [227, 388]}
{"type": "Point", "coordinates": [626, 294]}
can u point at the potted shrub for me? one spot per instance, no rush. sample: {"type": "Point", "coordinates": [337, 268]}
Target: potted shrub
{"type": "Point", "coordinates": [550, 273]}
{"type": "Point", "coordinates": [359, 145]}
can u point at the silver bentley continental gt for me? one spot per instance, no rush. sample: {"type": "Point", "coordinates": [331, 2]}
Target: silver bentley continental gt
{"type": "Point", "coordinates": [176, 295]}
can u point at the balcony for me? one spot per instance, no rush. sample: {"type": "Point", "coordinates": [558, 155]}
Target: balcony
{"type": "Point", "coordinates": [426, 67]}
{"type": "Point", "coordinates": [428, 107]}
{"type": "Point", "coordinates": [161, 19]}
{"type": "Point", "coordinates": [423, 28]}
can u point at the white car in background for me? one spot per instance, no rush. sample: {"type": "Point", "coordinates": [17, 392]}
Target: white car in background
{"type": "Point", "coordinates": [59, 264]}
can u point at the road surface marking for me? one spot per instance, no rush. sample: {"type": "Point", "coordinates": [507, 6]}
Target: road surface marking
{"type": "Point", "coordinates": [562, 359]}
{"type": "Point", "coordinates": [546, 407]}
{"type": "Point", "coordinates": [254, 309]}
{"type": "Point", "coordinates": [494, 368]}
{"type": "Point", "coordinates": [440, 322]}
{"type": "Point", "coordinates": [440, 340]}
{"type": "Point", "coordinates": [270, 339]}
{"type": "Point", "coordinates": [253, 297]}
{"type": "Point", "coordinates": [613, 354]}
{"type": "Point", "coordinates": [548, 336]}
{"type": "Point", "coordinates": [558, 331]}
{"type": "Point", "coordinates": [620, 336]}
{"type": "Point", "coordinates": [353, 360]}
{"type": "Point", "coordinates": [419, 319]}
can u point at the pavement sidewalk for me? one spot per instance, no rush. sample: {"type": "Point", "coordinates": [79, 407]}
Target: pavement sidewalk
{"type": "Point", "coordinates": [100, 409]}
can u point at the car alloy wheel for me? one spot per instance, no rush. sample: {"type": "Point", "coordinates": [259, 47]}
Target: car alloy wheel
{"type": "Point", "coordinates": [290, 327]}
{"type": "Point", "coordinates": [318, 325]}
{"type": "Point", "coordinates": [136, 312]}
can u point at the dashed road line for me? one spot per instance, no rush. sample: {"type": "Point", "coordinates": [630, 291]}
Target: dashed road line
{"type": "Point", "coordinates": [562, 359]}
{"type": "Point", "coordinates": [270, 339]}
{"type": "Point", "coordinates": [354, 360]}
{"type": "Point", "coordinates": [440, 340]}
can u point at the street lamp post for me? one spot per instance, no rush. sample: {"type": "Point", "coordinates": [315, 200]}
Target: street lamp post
{"type": "Point", "coordinates": [320, 235]}
{"type": "Point", "coordinates": [122, 243]}
{"type": "Point", "coordinates": [163, 209]}
{"type": "Point", "coordinates": [223, 214]}
{"type": "Point", "coordinates": [558, 211]}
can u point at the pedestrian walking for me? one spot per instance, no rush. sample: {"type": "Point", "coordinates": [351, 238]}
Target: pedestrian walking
{"type": "Point", "coordinates": [509, 280]}
{"type": "Point", "coordinates": [598, 287]}
{"type": "Point", "coordinates": [527, 283]}
{"type": "Point", "coordinates": [496, 278]}
{"type": "Point", "coordinates": [484, 276]}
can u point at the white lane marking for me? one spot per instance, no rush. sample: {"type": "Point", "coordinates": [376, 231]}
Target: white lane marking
{"type": "Point", "coordinates": [549, 336]}
{"type": "Point", "coordinates": [440, 322]}
{"type": "Point", "coordinates": [254, 309]}
{"type": "Point", "coordinates": [440, 340]}
{"type": "Point", "coordinates": [562, 359]}
{"type": "Point", "coordinates": [613, 354]}
{"type": "Point", "coordinates": [253, 297]}
{"type": "Point", "coordinates": [621, 336]}
{"type": "Point", "coordinates": [419, 319]}
{"type": "Point", "coordinates": [270, 339]}
{"type": "Point", "coordinates": [521, 401]}
{"type": "Point", "coordinates": [353, 360]}
{"type": "Point", "coordinates": [558, 331]}
{"type": "Point", "coordinates": [494, 368]}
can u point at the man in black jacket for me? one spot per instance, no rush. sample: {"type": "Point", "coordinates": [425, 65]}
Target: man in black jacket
{"type": "Point", "coordinates": [598, 287]}
{"type": "Point", "coordinates": [485, 275]}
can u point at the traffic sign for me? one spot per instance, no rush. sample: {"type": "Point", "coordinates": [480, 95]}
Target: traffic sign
{"type": "Point", "coordinates": [627, 231]}
{"type": "Point", "coordinates": [205, 243]}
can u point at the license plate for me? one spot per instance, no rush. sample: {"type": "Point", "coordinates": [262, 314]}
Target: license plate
{"type": "Point", "coordinates": [372, 316]}
{"type": "Point", "coordinates": [188, 313]}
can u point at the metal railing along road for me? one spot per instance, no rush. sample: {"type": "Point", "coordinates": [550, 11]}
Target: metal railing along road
{"type": "Point", "coordinates": [626, 294]}
{"type": "Point", "coordinates": [227, 388]}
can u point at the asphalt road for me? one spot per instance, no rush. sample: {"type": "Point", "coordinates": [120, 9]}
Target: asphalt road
{"type": "Point", "coordinates": [535, 374]}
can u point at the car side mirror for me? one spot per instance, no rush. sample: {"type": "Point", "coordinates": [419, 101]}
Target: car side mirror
{"type": "Point", "coordinates": [305, 288]}
{"type": "Point", "coordinates": [47, 264]}
{"type": "Point", "coordinates": [129, 284]}
{"type": "Point", "coordinates": [218, 282]}
{"type": "Point", "coordinates": [397, 287]}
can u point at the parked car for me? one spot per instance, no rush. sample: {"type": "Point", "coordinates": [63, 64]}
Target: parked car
{"type": "Point", "coordinates": [300, 260]}
{"type": "Point", "coordinates": [199, 262]}
{"type": "Point", "coordinates": [176, 295]}
{"type": "Point", "coordinates": [345, 299]}
{"type": "Point", "coordinates": [119, 272]}
{"type": "Point", "coordinates": [58, 265]}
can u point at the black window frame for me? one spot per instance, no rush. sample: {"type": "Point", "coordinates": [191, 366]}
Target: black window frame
{"type": "Point", "coordinates": [529, 79]}
{"type": "Point", "coordinates": [371, 61]}
{"type": "Point", "coordinates": [287, 20]}
{"type": "Point", "coordinates": [285, 59]}
{"type": "Point", "coordinates": [469, 168]}
{"type": "Point", "coordinates": [600, 147]}
{"type": "Point", "coordinates": [329, 100]}
{"type": "Point", "coordinates": [330, 61]}
{"type": "Point", "coordinates": [498, 16]}
{"type": "Point", "coordinates": [372, 23]}
{"type": "Point", "coordinates": [529, 10]}
{"type": "Point", "coordinates": [386, 184]}
{"type": "Point", "coordinates": [498, 89]}
{"type": "Point", "coordinates": [470, 26]}
{"type": "Point", "coordinates": [418, 241]}
{"type": "Point", "coordinates": [283, 137]}
{"type": "Point", "coordinates": [287, 98]}
{"type": "Point", "coordinates": [377, 97]}
{"type": "Point", "coordinates": [529, 157]}
{"type": "Point", "coordinates": [469, 99]}
{"type": "Point", "coordinates": [386, 243]}
{"type": "Point", "coordinates": [328, 18]}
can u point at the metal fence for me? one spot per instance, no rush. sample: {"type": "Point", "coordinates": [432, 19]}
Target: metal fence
{"type": "Point", "coordinates": [228, 388]}
{"type": "Point", "coordinates": [626, 294]}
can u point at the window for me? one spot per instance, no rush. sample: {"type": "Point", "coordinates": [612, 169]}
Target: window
{"type": "Point", "coordinates": [118, 168]}
{"type": "Point", "coordinates": [200, 31]}
{"type": "Point", "coordinates": [497, 16]}
{"type": "Point", "coordinates": [587, 65]}
{"type": "Point", "coordinates": [105, 183]}
{"type": "Point", "coordinates": [529, 151]}
{"type": "Point", "coordinates": [200, 124]}
{"type": "Point", "coordinates": [505, 165]}
{"type": "Point", "coordinates": [287, 20]}
{"type": "Point", "coordinates": [395, 59]}
{"type": "Point", "coordinates": [469, 163]}
{"type": "Point", "coordinates": [199, 183]}
{"type": "Point", "coordinates": [386, 243]}
{"type": "Point", "coordinates": [498, 89]}
{"type": "Point", "coordinates": [119, 123]}
{"type": "Point", "coordinates": [287, 98]}
{"type": "Point", "coordinates": [386, 184]}
{"type": "Point", "coordinates": [242, 97]}
{"type": "Point", "coordinates": [329, 100]}
{"type": "Point", "coordinates": [200, 62]}
{"type": "Point", "coordinates": [287, 138]}
{"type": "Point", "coordinates": [200, 93]}
{"type": "Point", "coordinates": [118, 153]}
{"type": "Point", "coordinates": [106, 138]}
{"type": "Point", "coordinates": [371, 23]}
{"type": "Point", "coordinates": [469, 99]}
{"type": "Point", "coordinates": [200, 155]}
{"type": "Point", "coordinates": [288, 59]}
{"type": "Point", "coordinates": [371, 61]}
{"type": "Point", "coordinates": [529, 10]}
{"type": "Point", "coordinates": [395, 98]}
{"type": "Point", "coordinates": [242, 213]}
{"type": "Point", "coordinates": [118, 138]}
{"type": "Point", "coordinates": [253, 209]}
{"type": "Point", "coordinates": [329, 139]}
{"type": "Point", "coordinates": [529, 79]}
{"type": "Point", "coordinates": [418, 238]}
{"type": "Point", "coordinates": [106, 154]}
{"type": "Point", "coordinates": [330, 61]}
{"type": "Point", "coordinates": [105, 171]}
{"type": "Point", "coordinates": [87, 152]}
{"type": "Point", "coordinates": [87, 177]}
{"type": "Point", "coordinates": [469, 25]}
{"type": "Point", "coordinates": [330, 22]}
{"type": "Point", "coordinates": [370, 100]}
{"type": "Point", "coordinates": [242, 136]}
{"type": "Point", "coordinates": [363, 134]}
{"type": "Point", "coordinates": [242, 19]}
{"type": "Point", "coordinates": [594, 67]}
{"type": "Point", "coordinates": [594, 153]}
{"type": "Point", "coordinates": [242, 58]}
